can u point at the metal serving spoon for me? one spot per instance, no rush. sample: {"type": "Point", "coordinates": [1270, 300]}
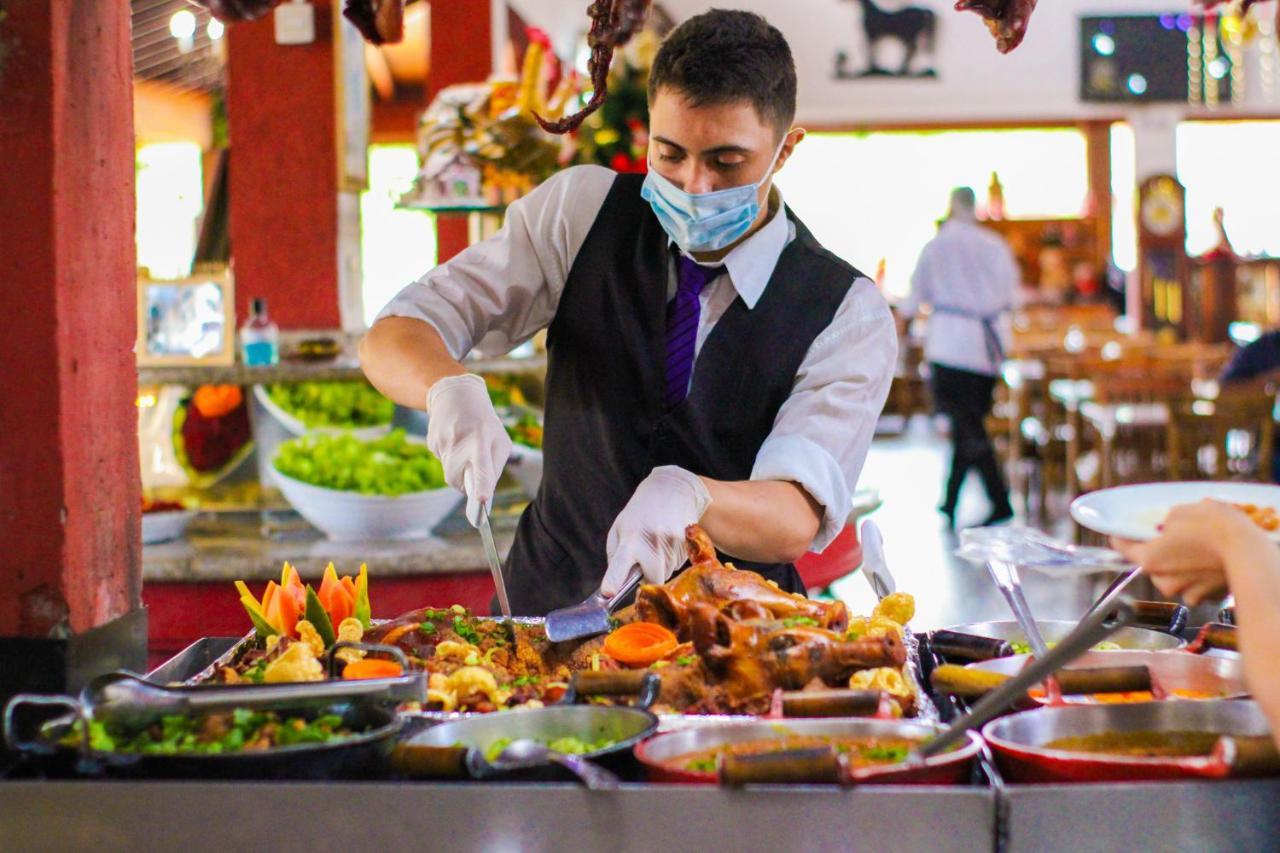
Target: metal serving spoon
{"type": "Point", "coordinates": [526, 753]}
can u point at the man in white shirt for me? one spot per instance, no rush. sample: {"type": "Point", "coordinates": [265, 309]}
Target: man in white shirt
{"type": "Point", "coordinates": [968, 277]}
{"type": "Point", "coordinates": [708, 361]}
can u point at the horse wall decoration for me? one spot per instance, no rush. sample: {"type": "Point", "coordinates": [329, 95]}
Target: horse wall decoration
{"type": "Point", "coordinates": [914, 28]}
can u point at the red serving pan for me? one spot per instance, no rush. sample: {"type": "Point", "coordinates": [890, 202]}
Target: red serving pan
{"type": "Point", "coordinates": [951, 768]}
{"type": "Point", "coordinates": [1018, 742]}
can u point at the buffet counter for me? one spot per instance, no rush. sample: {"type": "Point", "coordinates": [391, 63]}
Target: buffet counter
{"type": "Point", "coordinates": [197, 816]}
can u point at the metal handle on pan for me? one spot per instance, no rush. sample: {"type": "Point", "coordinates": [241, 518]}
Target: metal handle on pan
{"type": "Point", "coordinates": [20, 744]}
{"type": "Point", "coordinates": [970, 647]}
{"type": "Point", "coordinates": [1214, 635]}
{"type": "Point", "coordinates": [834, 703]}
{"type": "Point", "coordinates": [1163, 616]}
{"type": "Point", "coordinates": [430, 762]}
{"type": "Point", "coordinates": [818, 765]}
{"type": "Point", "coordinates": [643, 684]}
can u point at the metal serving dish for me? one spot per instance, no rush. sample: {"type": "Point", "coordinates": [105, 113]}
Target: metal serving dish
{"type": "Point", "coordinates": [925, 709]}
{"type": "Point", "coordinates": [1018, 742]}
{"type": "Point", "coordinates": [1053, 630]}
{"type": "Point", "coordinates": [1222, 676]}
{"type": "Point", "coordinates": [951, 768]}
{"type": "Point", "coordinates": [361, 755]}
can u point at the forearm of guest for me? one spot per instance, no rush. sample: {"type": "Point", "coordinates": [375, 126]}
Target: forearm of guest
{"type": "Point", "coordinates": [768, 521]}
{"type": "Point", "coordinates": [404, 357]}
{"type": "Point", "coordinates": [1252, 565]}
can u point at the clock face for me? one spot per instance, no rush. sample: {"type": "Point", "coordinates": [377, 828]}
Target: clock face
{"type": "Point", "coordinates": [1162, 209]}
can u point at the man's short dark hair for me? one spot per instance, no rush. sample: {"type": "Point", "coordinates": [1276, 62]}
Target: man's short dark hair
{"type": "Point", "coordinates": [725, 56]}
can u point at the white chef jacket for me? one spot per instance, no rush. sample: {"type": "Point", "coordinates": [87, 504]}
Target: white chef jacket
{"type": "Point", "coordinates": [498, 293]}
{"type": "Point", "coordinates": [965, 273]}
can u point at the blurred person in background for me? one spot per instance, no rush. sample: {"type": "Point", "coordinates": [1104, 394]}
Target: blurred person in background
{"type": "Point", "coordinates": [968, 278]}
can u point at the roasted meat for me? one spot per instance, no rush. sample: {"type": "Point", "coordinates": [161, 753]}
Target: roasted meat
{"type": "Point", "coordinates": [1006, 19]}
{"type": "Point", "coordinates": [753, 657]}
{"type": "Point", "coordinates": [738, 594]}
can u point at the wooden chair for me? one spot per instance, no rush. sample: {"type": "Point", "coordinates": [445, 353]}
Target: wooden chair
{"type": "Point", "coordinates": [1226, 438]}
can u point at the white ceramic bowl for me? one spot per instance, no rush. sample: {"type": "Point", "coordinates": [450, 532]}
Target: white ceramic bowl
{"type": "Point", "coordinates": [297, 427]}
{"type": "Point", "coordinates": [165, 525]}
{"type": "Point", "coordinates": [350, 516]}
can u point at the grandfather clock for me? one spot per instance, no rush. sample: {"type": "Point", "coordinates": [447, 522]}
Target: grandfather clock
{"type": "Point", "coordinates": [1162, 253]}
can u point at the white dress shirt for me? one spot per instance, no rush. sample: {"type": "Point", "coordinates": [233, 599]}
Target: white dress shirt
{"type": "Point", "coordinates": [965, 273]}
{"type": "Point", "coordinates": [498, 293]}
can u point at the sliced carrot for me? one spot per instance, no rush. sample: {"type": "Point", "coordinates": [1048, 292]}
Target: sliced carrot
{"type": "Point", "coordinates": [640, 643]}
{"type": "Point", "coordinates": [372, 668]}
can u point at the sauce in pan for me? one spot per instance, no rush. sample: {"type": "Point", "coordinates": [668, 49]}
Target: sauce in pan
{"type": "Point", "coordinates": [859, 751]}
{"type": "Point", "coordinates": [1149, 744]}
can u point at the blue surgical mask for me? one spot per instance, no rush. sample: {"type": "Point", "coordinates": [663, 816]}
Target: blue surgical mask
{"type": "Point", "coordinates": [704, 222]}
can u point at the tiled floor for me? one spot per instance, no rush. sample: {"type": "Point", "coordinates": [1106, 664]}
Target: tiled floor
{"type": "Point", "coordinates": [909, 471]}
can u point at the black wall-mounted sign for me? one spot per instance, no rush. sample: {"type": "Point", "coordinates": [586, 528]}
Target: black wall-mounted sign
{"type": "Point", "coordinates": [1147, 58]}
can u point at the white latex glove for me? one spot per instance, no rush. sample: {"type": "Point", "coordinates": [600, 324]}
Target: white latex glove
{"type": "Point", "coordinates": [649, 532]}
{"type": "Point", "coordinates": [465, 432]}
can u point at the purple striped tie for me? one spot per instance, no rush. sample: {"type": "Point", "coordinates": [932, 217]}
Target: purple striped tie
{"type": "Point", "coordinates": [682, 327]}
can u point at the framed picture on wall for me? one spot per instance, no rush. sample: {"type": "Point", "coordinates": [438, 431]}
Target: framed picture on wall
{"type": "Point", "coordinates": [187, 321]}
{"type": "Point", "coordinates": [354, 105]}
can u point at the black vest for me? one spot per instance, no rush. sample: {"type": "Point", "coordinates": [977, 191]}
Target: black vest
{"type": "Point", "coordinates": [606, 425]}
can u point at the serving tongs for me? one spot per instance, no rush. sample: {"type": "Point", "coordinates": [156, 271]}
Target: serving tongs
{"type": "Point", "coordinates": [826, 765]}
{"type": "Point", "coordinates": [131, 701]}
{"type": "Point", "coordinates": [590, 617]}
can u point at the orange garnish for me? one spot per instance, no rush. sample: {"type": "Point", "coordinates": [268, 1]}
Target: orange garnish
{"type": "Point", "coordinates": [214, 401]}
{"type": "Point", "coordinates": [640, 643]}
{"type": "Point", "coordinates": [372, 668]}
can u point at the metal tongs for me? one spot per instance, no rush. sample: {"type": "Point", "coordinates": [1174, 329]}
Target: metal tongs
{"type": "Point", "coordinates": [589, 617]}
{"type": "Point", "coordinates": [1003, 550]}
{"type": "Point", "coordinates": [131, 701]}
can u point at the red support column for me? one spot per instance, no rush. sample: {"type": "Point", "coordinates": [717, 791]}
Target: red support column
{"type": "Point", "coordinates": [461, 32]}
{"type": "Point", "coordinates": [69, 499]}
{"type": "Point", "coordinates": [284, 185]}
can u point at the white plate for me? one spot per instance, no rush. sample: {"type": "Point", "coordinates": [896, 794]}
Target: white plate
{"type": "Point", "coordinates": [1136, 512]}
{"type": "Point", "coordinates": [165, 525]}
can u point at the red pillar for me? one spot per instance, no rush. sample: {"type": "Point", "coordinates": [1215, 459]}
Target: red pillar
{"type": "Point", "coordinates": [284, 184]}
{"type": "Point", "coordinates": [69, 486]}
{"type": "Point", "coordinates": [461, 33]}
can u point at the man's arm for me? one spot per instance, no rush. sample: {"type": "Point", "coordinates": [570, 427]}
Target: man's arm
{"type": "Point", "coordinates": [404, 357]}
{"type": "Point", "coordinates": [798, 497]}
{"type": "Point", "coordinates": [494, 295]}
{"type": "Point", "coordinates": [766, 521]}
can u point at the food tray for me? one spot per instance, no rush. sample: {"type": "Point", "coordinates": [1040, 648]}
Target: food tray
{"type": "Point", "coordinates": [193, 667]}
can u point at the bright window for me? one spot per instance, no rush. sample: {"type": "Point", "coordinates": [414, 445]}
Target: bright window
{"type": "Point", "coordinates": [1124, 191]}
{"type": "Point", "coordinates": [1232, 165]}
{"type": "Point", "coordinates": [170, 198]}
{"type": "Point", "coordinates": [877, 196]}
{"type": "Point", "coordinates": [397, 246]}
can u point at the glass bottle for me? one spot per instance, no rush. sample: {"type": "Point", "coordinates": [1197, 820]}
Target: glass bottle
{"type": "Point", "coordinates": [259, 337]}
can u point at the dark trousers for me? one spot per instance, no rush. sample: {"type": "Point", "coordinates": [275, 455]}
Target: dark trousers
{"type": "Point", "coordinates": [966, 398]}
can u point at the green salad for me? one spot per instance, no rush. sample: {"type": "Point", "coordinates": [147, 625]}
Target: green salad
{"type": "Point", "coordinates": [563, 745]}
{"type": "Point", "coordinates": [389, 465]}
{"type": "Point", "coordinates": [211, 734]}
{"type": "Point", "coordinates": [1021, 648]}
{"type": "Point", "coordinates": [332, 403]}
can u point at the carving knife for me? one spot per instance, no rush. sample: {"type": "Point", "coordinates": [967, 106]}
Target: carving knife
{"type": "Point", "coordinates": [495, 565]}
